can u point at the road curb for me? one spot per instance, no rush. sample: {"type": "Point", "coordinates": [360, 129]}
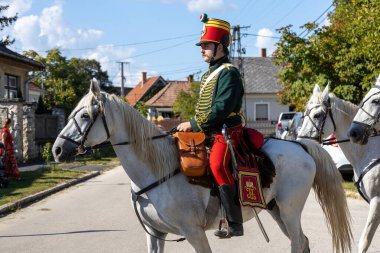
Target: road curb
{"type": "Point", "coordinates": [11, 207]}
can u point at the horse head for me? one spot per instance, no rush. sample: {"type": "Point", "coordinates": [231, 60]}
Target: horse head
{"type": "Point", "coordinates": [86, 126]}
{"type": "Point", "coordinates": [366, 122]}
{"type": "Point", "coordinates": [316, 121]}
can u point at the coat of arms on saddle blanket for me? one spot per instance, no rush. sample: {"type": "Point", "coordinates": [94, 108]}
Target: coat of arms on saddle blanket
{"type": "Point", "coordinates": [253, 165]}
{"type": "Point", "coordinates": [250, 190]}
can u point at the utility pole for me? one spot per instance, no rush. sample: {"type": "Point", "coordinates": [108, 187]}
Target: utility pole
{"type": "Point", "coordinates": [236, 47]}
{"type": "Point", "coordinates": [122, 77]}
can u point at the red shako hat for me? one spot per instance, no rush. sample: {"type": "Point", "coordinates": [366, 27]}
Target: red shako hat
{"type": "Point", "coordinates": [215, 30]}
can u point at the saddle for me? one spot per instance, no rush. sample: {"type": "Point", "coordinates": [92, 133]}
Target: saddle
{"type": "Point", "coordinates": [194, 157]}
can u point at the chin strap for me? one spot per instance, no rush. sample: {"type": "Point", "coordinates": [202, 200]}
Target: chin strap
{"type": "Point", "coordinates": [214, 54]}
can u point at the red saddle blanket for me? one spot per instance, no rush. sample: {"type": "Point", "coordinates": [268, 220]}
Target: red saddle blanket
{"type": "Point", "coordinates": [250, 190]}
{"type": "Point", "coordinates": [249, 179]}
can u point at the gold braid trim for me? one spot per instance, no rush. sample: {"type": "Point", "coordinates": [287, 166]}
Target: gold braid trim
{"type": "Point", "coordinates": [203, 107]}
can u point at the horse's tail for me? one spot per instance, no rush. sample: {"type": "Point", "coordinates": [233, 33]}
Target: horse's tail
{"type": "Point", "coordinates": [331, 196]}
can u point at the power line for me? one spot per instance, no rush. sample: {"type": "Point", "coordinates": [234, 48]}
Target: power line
{"type": "Point", "coordinates": [245, 8]}
{"type": "Point", "coordinates": [150, 52]}
{"type": "Point", "coordinates": [316, 20]}
{"type": "Point", "coordinates": [290, 12]}
{"type": "Point", "coordinates": [123, 45]}
{"type": "Point", "coordinates": [265, 36]}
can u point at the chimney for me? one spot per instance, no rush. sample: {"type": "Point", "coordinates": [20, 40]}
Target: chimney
{"type": "Point", "coordinates": [190, 78]}
{"type": "Point", "coordinates": [143, 78]}
{"type": "Point", "coordinates": [264, 52]}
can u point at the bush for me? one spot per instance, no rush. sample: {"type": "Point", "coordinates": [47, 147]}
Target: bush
{"type": "Point", "coordinates": [47, 154]}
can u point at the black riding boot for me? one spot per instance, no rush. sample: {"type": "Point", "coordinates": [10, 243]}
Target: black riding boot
{"type": "Point", "coordinates": [233, 212]}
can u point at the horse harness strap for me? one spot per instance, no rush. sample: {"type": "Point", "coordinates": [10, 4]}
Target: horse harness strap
{"type": "Point", "coordinates": [357, 183]}
{"type": "Point", "coordinates": [375, 118]}
{"type": "Point", "coordinates": [320, 130]}
{"type": "Point", "coordinates": [136, 195]}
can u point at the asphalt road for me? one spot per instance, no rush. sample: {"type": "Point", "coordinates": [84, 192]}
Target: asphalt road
{"type": "Point", "coordinates": [97, 216]}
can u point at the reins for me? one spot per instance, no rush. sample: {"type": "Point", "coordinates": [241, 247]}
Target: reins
{"type": "Point", "coordinates": [108, 144]}
{"type": "Point", "coordinates": [82, 149]}
{"type": "Point", "coordinates": [357, 183]}
{"type": "Point", "coordinates": [332, 141]}
{"type": "Point", "coordinates": [135, 198]}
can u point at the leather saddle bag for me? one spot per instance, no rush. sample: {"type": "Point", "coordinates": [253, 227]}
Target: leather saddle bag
{"type": "Point", "coordinates": [192, 152]}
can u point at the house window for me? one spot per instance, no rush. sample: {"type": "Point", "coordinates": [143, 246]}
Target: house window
{"type": "Point", "coordinates": [262, 111]}
{"type": "Point", "coordinates": [10, 88]}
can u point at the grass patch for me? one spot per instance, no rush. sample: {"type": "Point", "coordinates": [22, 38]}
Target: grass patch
{"type": "Point", "coordinates": [87, 160]}
{"type": "Point", "coordinates": [32, 182]}
{"type": "Point", "coordinates": [349, 186]}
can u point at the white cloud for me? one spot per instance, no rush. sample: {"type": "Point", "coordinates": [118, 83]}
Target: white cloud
{"type": "Point", "coordinates": [17, 6]}
{"type": "Point", "coordinates": [106, 55]}
{"type": "Point", "coordinates": [58, 34]}
{"type": "Point", "coordinates": [264, 40]}
{"type": "Point", "coordinates": [206, 5]}
{"type": "Point", "coordinates": [49, 30]}
{"type": "Point", "coordinates": [26, 31]}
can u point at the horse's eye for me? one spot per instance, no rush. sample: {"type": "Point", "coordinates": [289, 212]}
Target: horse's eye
{"type": "Point", "coordinates": [317, 116]}
{"type": "Point", "coordinates": [85, 116]}
{"type": "Point", "coordinates": [376, 101]}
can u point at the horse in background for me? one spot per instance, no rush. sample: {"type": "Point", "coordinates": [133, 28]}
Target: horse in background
{"type": "Point", "coordinates": [325, 114]}
{"type": "Point", "coordinates": [178, 207]}
{"type": "Point", "coordinates": [364, 130]}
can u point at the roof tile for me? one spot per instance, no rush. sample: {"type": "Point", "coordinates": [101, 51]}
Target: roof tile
{"type": "Point", "coordinates": [138, 92]}
{"type": "Point", "coordinates": [167, 96]}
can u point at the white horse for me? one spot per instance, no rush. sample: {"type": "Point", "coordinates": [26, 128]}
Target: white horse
{"type": "Point", "coordinates": [177, 207]}
{"type": "Point", "coordinates": [364, 130]}
{"type": "Point", "coordinates": [325, 113]}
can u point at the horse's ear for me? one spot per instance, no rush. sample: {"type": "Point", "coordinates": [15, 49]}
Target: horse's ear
{"type": "Point", "coordinates": [94, 87]}
{"type": "Point", "coordinates": [316, 90]}
{"type": "Point", "coordinates": [325, 93]}
{"type": "Point", "coordinates": [378, 81]}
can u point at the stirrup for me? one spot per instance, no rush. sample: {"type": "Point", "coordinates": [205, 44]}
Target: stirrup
{"type": "Point", "coordinates": [222, 233]}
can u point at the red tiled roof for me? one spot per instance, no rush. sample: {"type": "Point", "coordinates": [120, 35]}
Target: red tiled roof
{"type": "Point", "coordinates": [139, 91]}
{"type": "Point", "coordinates": [166, 96]}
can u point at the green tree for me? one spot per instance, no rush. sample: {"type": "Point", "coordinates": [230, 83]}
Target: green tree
{"type": "Point", "coordinates": [142, 108]}
{"type": "Point", "coordinates": [41, 108]}
{"type": "Point", "coordinates": [5, 22]}
{"type": "Point", "coordinates": [66, 80]}
{"type": "Point", "coordinates": [184, 105]}
{"type": "Point", "coordinates": [343, 54]}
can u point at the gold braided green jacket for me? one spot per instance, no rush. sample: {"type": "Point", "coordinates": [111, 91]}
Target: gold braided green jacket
{"type": "Point", "coordinates": [220, 100]}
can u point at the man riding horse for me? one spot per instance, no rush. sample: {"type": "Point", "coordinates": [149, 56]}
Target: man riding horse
{"type": "Point", "coordinates": [219, 102]}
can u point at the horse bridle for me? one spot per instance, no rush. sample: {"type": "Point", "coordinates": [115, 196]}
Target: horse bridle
{"type": "Point", "coordinates": [318, 138]}
{"type": "Point", "coordinates": [369, 128]}
{"type": "Point", "coordinates": [81, 149]}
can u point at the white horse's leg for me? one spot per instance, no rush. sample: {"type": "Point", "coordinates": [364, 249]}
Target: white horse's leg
{"type": "Point", "coordinates": [275, 213]}
{"type": "Point", "coordinates": [292, 221]}
{"type": "Point", "coordinates": [155, 245]}
{"type": "Point", "coordinates": [197, 238]}
{"type": "Point", "coordinates": [291, 204]}
{"type": "Point", "coordinates": [371, 225]}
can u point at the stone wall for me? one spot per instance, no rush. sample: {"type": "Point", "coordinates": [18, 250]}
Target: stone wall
{"type": "Point", "coordinates": [30, 149]}
{"type": "Point", "coordinates": [23, 127]}
{"type": "Point", "coordinates": [14, 111]}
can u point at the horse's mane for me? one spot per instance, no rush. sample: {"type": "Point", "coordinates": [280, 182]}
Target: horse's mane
{"type": "Point", "coordinates": [160, 154]}
{"type": "Point", "coordinates": [343, 106]}
{"type": "Point", "coordinates": [338, 105]}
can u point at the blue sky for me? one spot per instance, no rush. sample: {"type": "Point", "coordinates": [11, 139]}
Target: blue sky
{"type": "Point", "coordinates": [156, 36]}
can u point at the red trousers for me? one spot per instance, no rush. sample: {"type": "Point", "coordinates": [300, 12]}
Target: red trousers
{"type": "Point", "coordinates": [220, 156]}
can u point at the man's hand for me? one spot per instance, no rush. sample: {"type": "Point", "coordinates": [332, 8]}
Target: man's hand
{"type": "Point", "coordinates": [184, 127]}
